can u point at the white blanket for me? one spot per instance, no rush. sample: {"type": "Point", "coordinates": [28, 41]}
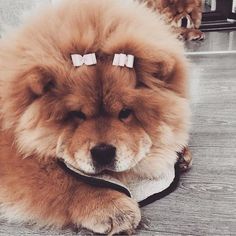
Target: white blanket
{"type": "Point", "coordinates": [143, 191]}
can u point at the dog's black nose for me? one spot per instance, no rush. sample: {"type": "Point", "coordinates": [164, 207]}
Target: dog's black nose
{"type": "Point", "coordinates": [103, 154]}
{"type": "Point", "coordinates": [184, 22]}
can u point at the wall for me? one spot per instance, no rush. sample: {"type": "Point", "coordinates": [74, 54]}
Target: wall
{"type": "Point", "coordinates": [11, 10]}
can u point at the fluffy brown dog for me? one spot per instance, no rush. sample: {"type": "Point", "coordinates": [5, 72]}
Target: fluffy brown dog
{"type": "Point", "coordinates": [184, 16]}
{"type": "Point", "coordinates": [130, 121]}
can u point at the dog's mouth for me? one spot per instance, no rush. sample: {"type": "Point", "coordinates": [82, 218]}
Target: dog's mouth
{"type": "Point", "coordinates": [88, 166]}
{"type": "Point", "coordinates": [184, 22]}
{"type": "Point", "coordinates": [71, 167]}
{"type": "Point", "coordinates": [84, 161]}
{"type": "Point", "coordinates": [95, 170]}
{"type": "Point", "coordinates": [101, 172]}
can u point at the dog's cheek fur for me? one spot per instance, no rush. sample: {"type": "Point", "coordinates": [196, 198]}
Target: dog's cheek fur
{"type": "Point", "coordinates": [162, 102]}
{"type": "Point", "coordinates": [34, 135]}
{"type": "Point", "coordinates": [22, 112]}
{"type": "Point", "coordinates": [165, 116]}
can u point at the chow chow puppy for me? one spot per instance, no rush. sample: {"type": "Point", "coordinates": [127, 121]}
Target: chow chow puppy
{"type": "Point", "coordinates": [128, 120]}
{"type": "Point", "coordinates": [184, 16]}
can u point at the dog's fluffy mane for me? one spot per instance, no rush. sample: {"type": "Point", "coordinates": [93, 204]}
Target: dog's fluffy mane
{"type": "Point", "coordinates": [36, 57]}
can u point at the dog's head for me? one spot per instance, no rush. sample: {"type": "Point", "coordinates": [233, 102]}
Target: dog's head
{"type": "Point", "coordinates": [100, 116]}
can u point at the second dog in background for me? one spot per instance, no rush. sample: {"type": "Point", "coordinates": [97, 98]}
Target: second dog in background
{"type": "Point", "coordinates": [184, 16]}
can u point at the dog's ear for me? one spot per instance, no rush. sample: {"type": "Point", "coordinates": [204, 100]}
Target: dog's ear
{"type": "Point", "coordinates": [21, 88]}
{"type": "Point", "coordinates": [40, 81]}
{"type": "Point", "coordinates": [164, 70]}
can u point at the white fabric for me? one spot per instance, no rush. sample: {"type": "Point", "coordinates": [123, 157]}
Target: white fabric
{"type": "Point", "coordinates": [141, 189]}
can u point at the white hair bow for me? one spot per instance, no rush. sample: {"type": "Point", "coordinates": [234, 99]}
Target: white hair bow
{"type": "Point", "coordinates": [123, 60]}
{"type": "Point", "coordinates": [87, 59]}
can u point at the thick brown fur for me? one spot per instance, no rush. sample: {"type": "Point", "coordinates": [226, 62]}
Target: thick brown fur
{"type": "Point", "coordinates": [174, 10]}
{"type": "Point", "coordinates": [39, 88]}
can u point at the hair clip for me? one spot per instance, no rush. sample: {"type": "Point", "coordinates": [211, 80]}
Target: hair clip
{"type": "Point", "coordinates": [123, 60]}
{"type": "Point", "coordinates": [87, 59]}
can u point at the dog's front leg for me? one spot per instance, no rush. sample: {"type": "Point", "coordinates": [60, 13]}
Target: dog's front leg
{"type": "Point", "coordinates": [42, 192]}
{"type": "Point", "coordinates": [105, 211]}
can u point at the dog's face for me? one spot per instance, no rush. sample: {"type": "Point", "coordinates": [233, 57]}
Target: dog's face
{"type": "Point", "coordinates": [182, 20]}
{"type": "Point", "coordinates": [183, 13]}
{"type": "Point", "coordinates": [99, 127]}
{"type": "Point", "coordinates": [99, 117]}
{"type": "Point", "coordinates": [178, 13]}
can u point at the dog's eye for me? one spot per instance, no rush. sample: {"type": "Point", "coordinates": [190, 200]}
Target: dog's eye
{"type": "Point", "coordinates": [49, 86]}
{"type": "Point", "coordinates": [125, 113]}
{"type": "Point", "coordinates": [76, 114]}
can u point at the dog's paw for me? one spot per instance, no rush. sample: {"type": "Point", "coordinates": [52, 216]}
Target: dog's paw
{"type": "Point", "coordinates": [189, 34]}
{"type": "Point", "coordinates": [194, 35]}
{"type": "Point", "coordinates": [119, 215]}
{"type": "Point", "coordinates": [185, 160]}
